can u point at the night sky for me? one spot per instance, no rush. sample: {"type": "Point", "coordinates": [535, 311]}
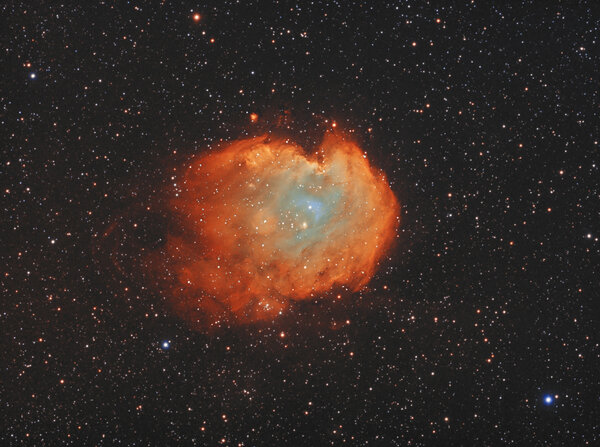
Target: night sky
{"type": "Point", "coordinates": [480, 326]}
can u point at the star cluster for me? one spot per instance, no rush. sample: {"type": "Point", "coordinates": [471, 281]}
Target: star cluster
{"type": "Point", "coordinates": [479, 328]}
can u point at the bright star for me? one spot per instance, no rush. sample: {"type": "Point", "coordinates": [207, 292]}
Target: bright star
{"type": "Point", "coordinates": [165, 344]}
{"type": "Point", "coordinates": [548, 399]}
{"type": "Point", "coordinates": [32, 75]}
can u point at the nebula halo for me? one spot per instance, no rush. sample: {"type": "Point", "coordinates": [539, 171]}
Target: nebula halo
{"type": "Point", "coordinates": [261, 223]}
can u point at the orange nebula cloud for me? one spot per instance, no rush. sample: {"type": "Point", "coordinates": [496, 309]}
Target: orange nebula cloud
{"type": "Point", "coordinates": [261, 223]}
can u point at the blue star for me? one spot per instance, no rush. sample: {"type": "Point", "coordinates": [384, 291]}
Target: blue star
{"type": "Point", "coordinates": [548, 399]}
{"type": "Point", "coordinates": [165, 345]}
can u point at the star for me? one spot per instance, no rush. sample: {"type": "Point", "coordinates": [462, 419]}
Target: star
{"type": "Point", "coordinates": [32, 75]}
{"type": "Point", "coordinates": [548, 399]}
{"type": "Point", "coordinates": [165, 345]}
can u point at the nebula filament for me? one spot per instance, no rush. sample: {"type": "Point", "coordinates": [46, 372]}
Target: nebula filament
{"type": "Point", "coordinates": [261, 223]}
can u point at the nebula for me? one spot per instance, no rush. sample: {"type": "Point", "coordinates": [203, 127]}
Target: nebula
{"type": "Point", "coordinates": [260, 223]}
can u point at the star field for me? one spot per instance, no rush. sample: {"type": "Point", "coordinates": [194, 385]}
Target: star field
{"type": "Point", "coordinates": [480, 327]}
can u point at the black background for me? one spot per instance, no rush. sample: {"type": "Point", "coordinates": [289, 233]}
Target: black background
{"type": "Point", "coordinates": [485, 120]}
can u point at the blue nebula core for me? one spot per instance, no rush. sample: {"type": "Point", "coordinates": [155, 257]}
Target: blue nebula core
{"type": "Point", "coordinates": [310, 212]}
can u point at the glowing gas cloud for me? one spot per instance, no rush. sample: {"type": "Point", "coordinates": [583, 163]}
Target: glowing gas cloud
{"type": "Point", "coordinates": [261, 223]}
